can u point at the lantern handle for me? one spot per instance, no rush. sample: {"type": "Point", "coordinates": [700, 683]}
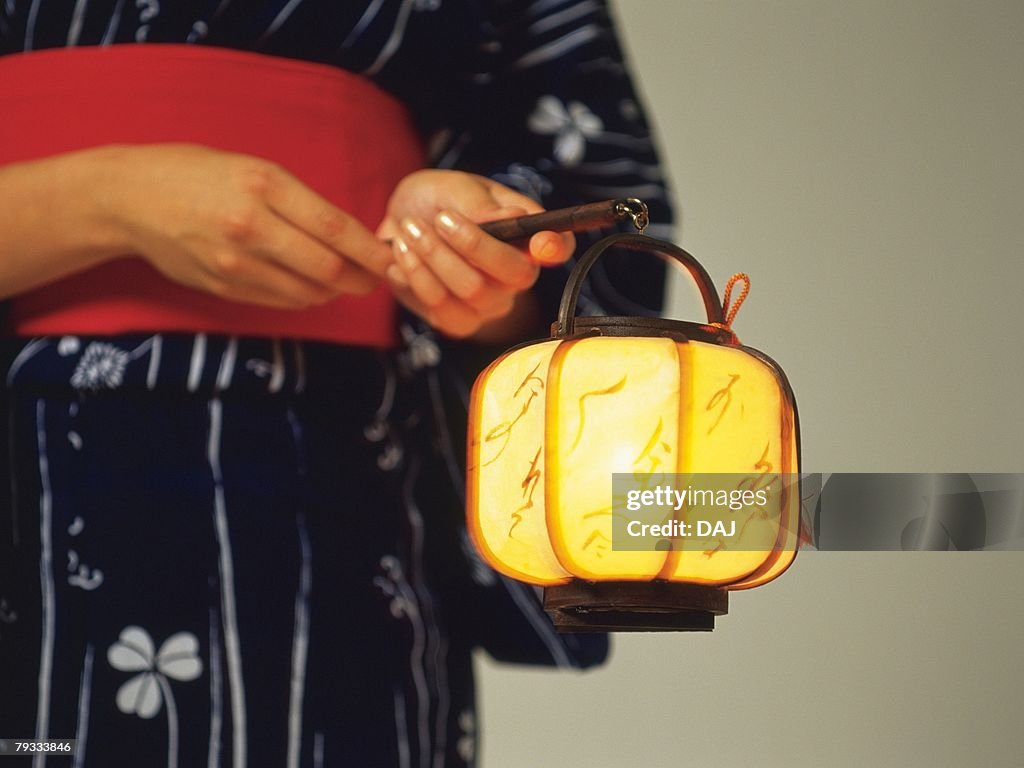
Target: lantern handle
{"type": "Point", "coordinates": [566, 325]}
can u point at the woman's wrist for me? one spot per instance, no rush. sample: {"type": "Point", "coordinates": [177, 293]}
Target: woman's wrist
{"type": "Point", "coordinates": [98, 192]}
{"type": "Point", "coordinates": [54, 219]}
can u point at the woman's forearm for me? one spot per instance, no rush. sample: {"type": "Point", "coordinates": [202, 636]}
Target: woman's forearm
{"type": "Point", "coordinates": [52, 219]}
{"type": "Point", "coordinates": [229, 224]}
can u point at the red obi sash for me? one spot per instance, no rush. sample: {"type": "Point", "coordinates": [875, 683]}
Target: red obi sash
{"type": "Point", "coordinates": [337, 132]}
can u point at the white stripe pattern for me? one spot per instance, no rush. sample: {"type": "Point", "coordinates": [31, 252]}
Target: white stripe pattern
{"type": "Point", "coordinates": [236, 681]}
{"type": "Point", "coordinates": [318, 750]}
{"type": "Point", "coordinates": [364, 21]}
{"type": "Point", "coordinates": [216, 697]}
{"type": "Point", "coordinates": [300, 644]}
{"type": "Point", "coordinates": [115, 22]}
{"type": "Point", "coordinates": [559, 47]}
{"type": "Point", "coordinates": [562, 17]}
{"type": "Point", "coordinates": [46, 585]}
{"type": "Point", "coordinates": [394, 39]}
{"type": "Point", "coordinates": [227, 364]}
{"type": "Point", "coordinates": [27, 352]}
{"type": "Point", "coordinates": [77, 18]}
{"type": "Point", "coordinates": [84, 695]}
{"type": "Point", "coordinates": [424, 599]}
{"type": "Point", "coordinates": [531, 609]}
{"type": "Point", "coordinates": [30, 26]}
{"type": "Point", "coordinates": [154, 361]}
{"type": "Point", "coordinates": [402, 731]}
{"type": "Point", "coordinates": [300, 368]}
{"type": "Point", "coordinates": [196, 363]}
{"type": "Point", "coordinates": [280, 19]}
{"type": "Point", "coordinates": [277, 368]}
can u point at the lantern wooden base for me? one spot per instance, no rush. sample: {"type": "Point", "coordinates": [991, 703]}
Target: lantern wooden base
{"type": "Point", "coordinates": [634, 606]}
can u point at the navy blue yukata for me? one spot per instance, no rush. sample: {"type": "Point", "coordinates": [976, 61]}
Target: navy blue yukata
{"type": "Point", "coordinates": [223, 551]}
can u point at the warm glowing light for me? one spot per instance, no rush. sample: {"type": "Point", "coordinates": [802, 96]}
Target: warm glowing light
{"type": "Point", "coordinates": [552, 422]}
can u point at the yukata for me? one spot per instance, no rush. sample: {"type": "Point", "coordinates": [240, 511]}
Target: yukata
{"type": "Point", "coordinates": [235, 549]}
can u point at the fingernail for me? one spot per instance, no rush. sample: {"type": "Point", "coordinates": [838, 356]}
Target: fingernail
{"type": "Point", "coordinates": [412, 229]}
{"type": "Point", "coordinates": [548, 253]}
{"type": "Point", "coordinates": [396, 276]}
{"type": "Point", "coordinates": [447, 221]}
{"type": "Point", "coordinates": [405, 257]}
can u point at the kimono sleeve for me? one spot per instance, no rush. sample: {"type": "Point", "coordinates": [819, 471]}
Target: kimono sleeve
{"type": "Point", "coordinates": [550, 109]}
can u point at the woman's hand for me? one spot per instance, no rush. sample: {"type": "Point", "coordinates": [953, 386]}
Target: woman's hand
{"type": "Point", "coordinates": [449, 271]}
{"type": "Point", "coordinates": [236, 226]}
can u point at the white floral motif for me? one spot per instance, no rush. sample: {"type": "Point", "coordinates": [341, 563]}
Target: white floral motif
{"type": "Point", "coordinates": [571, 125]}
{"type": "Point", "coordinates": [421, 349]}
{"type": "Point", "coordinates": [143, 694]}
{"type": "Point", "coordinates": [81, 575]}
{"type": "Point", "coordinates": [394, 586]}
{"type": "Point", "coordinates": [149, 9]}
{"type": "Point", "coordinates": [68, 345]}
{"type": "Point", "coordinates": [199, 30]}
{"type": "Point", "coordinates": [466, 745]}
{"type": "Point", "coordinates": [133, 652]}
{"type": "Point", "coordinates": [101, 367]}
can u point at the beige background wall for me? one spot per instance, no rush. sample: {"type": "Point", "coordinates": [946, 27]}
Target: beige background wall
{"type": "Point", "coordinates": [864, 162]}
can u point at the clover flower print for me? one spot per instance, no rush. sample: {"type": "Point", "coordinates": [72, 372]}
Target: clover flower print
{"type": "Point", "coordinates": [143, 694]}
{"type": "Point", "coordinates": [101, 367]}
{"type": "Point", "coordinates": [571, 125]}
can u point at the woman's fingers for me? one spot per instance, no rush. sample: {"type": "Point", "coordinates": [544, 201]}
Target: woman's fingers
{"type": "Point", "coordinates": [457, 275]}
{"type": "Point", "coordinates": [309, 212]}
{"type": "Point", "coordinates": [500, 261]}
{"type": "Point", "coordinates": [241, 276]}
{"type": "Point", "coordinates": [549, 249]}
{"type": "Point", "coordinates": [310, 259]}
{"type": "Point", "coordinates": [437, 273]}
{"type": "Point", "coordinates": [237, 226]}
{"type": "Point", "coordinates": [450, 316]}
{"type": "Point", "coordinates": [445, 267]}
{"type": "Point", "coordinates": [417, 276]}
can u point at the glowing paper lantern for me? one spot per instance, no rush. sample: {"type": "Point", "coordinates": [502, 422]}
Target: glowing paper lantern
{"type": "Point", "coordinates": [552, 421]}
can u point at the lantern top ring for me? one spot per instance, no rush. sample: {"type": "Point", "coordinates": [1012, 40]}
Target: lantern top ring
{"type": "Point", "coordinates": [636, 210]}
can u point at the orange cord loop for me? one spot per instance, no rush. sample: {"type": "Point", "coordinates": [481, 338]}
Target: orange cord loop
{"type": "Point", "coordinates": [730, 310]}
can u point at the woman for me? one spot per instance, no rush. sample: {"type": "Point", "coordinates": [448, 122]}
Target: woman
{"type": "Point", "coordinates": [234, 533]}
